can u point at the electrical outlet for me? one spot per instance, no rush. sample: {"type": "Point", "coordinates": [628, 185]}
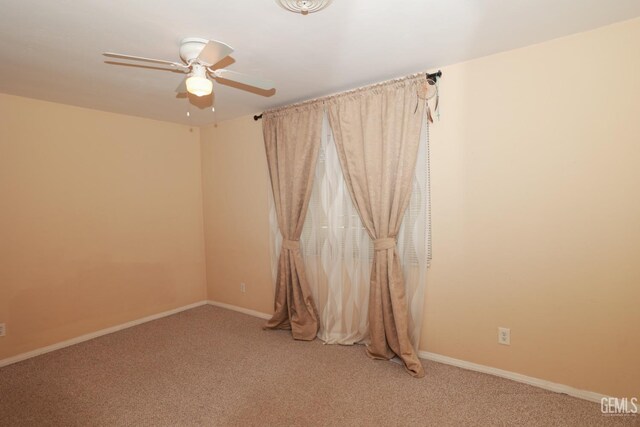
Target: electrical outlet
{"type": "Point", "coordinates": [243, 287]}
{"type": "Point", "coordinates": [504, 336]}
{"type": "Point", "coordinates": [3, 329]}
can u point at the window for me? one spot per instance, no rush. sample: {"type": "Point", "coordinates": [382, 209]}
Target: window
{"type": "Point", "coordinates": [338, 250]}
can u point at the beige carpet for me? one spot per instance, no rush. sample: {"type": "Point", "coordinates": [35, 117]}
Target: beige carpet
{"type": "Point", "coordinates": [210, 366]}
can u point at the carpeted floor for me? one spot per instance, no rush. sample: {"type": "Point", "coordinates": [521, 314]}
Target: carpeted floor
{"type": "Point", "coordinates": [210, 366]}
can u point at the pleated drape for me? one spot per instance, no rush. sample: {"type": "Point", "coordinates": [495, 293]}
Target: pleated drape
{"type": "Point", "coordinates": [292, 142]}
{"type": "Point", "coordinates": [377, 134]}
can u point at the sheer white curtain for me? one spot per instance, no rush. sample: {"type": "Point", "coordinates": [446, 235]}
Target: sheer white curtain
{"type": "Point", "coordinates": [338, 251]}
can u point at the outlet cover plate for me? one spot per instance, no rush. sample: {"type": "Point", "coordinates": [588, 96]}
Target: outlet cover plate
{"type": "Point", "coordinates": [504, 336]}
{"type": "Point", "coordinates": [3, 329]}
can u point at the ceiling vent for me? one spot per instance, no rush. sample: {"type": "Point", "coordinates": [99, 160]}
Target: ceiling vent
{"type": "Point", "coordinates": [304, 6]}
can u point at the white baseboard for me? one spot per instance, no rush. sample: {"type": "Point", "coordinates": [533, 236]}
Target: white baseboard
{"type": "Point", "coordinates": [241, 309]}
{"type": "Point", "coordinates": [92, 335]}
{"type": "Point", "coordinates": [537, 382]}
{"type": "Point", "coordinates": [547, 385]}
{"type": "Point", "coordinates": [514, 376]}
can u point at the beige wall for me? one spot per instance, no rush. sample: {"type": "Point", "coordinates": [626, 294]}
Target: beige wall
{"type": "Point", "coordinates": [536, 215]}
{"type": "Point", "coordinates": [235, 185]}
{"type": "Point", "coordinates": [536, 212]}
{"type": "Point", "coordinates": [100, 221]}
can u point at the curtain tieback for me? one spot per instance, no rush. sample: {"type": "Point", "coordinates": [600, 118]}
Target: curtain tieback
{"type": "Point", "coordinates": [384, 244]}
{"type": "Point", "coordinates": [290, 244]}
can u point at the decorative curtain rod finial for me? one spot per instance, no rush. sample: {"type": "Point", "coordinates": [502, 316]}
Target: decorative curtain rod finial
{"type": "Point", "coordinates": [434, 76]}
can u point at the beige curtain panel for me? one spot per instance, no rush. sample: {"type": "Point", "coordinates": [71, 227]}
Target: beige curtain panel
{"type": "Point", "coordinates": [292, 142]}
{"type": "Point", "coordinates": [377, 133]}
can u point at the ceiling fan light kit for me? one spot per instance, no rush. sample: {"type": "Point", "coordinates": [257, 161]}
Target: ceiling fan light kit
{"type": "Point", "coordinates": [198, 83]}
{"type": "Point", "coordinates": [304, 7]}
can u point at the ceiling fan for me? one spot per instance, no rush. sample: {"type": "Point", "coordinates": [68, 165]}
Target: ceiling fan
{"type": "Point", "coordinates": [199, 56]}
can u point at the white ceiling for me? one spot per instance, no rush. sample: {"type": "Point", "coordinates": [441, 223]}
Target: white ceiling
{"type": "Point", "coordinates": [52, 50]}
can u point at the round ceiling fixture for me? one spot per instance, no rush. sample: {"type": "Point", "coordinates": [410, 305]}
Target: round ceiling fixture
{"type": "Point", "coordinates": [304, 6]}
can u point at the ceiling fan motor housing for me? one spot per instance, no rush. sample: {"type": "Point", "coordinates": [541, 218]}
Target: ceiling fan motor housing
{"type": "Point", "coordinates": [191, 47]}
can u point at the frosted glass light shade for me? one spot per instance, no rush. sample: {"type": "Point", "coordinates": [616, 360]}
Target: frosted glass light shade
{"type": "Point", "coordinates": [199, 86]}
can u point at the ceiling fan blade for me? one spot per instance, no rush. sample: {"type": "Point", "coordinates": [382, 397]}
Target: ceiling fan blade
{"type": "Point", "coordinates": [213, 52]}
{"type": "Point", "coordinates": [182, 88]}
{"type": "Point", "coordinates": [141, 58]}
{"type": "Point", "coordinates": [244, 79]}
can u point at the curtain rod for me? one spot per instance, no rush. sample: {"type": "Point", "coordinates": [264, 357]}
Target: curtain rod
{"type": "Point", "coordinates": [433, 76]}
